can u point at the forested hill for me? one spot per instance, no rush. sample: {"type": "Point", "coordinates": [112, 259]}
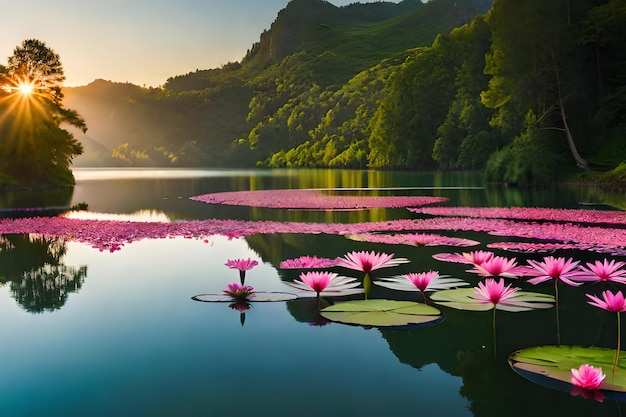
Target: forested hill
{"type": "Point", "coordinates": [518, 88]}
{"type": "Point", "coordinates": [204, 118]}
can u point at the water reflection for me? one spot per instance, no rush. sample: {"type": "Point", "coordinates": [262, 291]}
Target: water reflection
{"type": "Point", "coordinates": [33, 265]}
{"type": "Point", "coordinates": [154, 335]}
{"type": "Point", "coordinates": [36, 198]}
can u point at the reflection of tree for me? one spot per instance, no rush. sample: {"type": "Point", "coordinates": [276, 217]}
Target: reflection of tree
{"type": "Point", "coordinates": [441, 342]}
{"type": "Point", "coordinates": [306, 311]}
{"type": "Point", "coordinates": [32, 264]}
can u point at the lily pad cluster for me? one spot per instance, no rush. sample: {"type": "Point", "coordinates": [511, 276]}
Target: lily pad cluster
{"type": "Point", "coordinates": [559, 368]}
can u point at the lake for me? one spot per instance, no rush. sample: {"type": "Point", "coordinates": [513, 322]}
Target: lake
{"type": "Point", "coordinates": [89, 332]}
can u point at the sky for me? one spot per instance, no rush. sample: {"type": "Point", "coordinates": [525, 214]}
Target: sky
{"type": "Point", "coordinates": [143, 42]}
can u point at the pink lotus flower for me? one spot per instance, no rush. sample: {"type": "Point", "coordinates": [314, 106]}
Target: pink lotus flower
{"type": "Point", "coordinates": [610, 302]}
{"type": "Point", "coordinates": [615, 303]}
{"type": "Point", "coordinates": [320, 281]}
{"type": "Point", "coordinates": [603, 271]}
{"type": "Point", "coordinates": [421, 280]}
{"type": "Point", "coordinates": [474, 257]}
{"type": "Point", "coordinates": [324, 281]}
{"type": "Point", "coordinates": [478, 257]}
{"type": "Point", "coordinates": [588, 377]}
{"type": "Point", "coordinates": [553, 269]}
{"type": "Point", "coordinates": [493, 292]}
{"type": "Point", "coordinates": [239, 292]}
{"type": "Point", "coordinates": [241, 264]}
{"type": "Point", "coordinates": [498, 266]}
{"type": "Point", "coordinates": [317, 281]}
{"type": "Point", "coordinates": [369, 261]}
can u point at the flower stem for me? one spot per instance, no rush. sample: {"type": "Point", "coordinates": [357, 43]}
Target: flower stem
{"type": "Point", "coordinates": [367, 285]}
{"type": "Point", "coordinates": [494, 331]}
{"type": "Point", "coordinates": [242, 276]}
{"type": "Point", "coordinates": [558, 323]}
{"type": "Point", "coordinates": [619, 343]}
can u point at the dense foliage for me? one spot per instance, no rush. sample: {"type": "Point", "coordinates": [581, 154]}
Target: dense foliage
{"type": "Point", "coordinates": [524, 90]}
{"type": "Point", "coordinates": [34, 149]}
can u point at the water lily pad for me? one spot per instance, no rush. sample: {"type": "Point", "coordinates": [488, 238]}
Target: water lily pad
{"type": "Point", "coordinates": [541, 364]}
{"type": "Point", "coordinates": [464, 299]}
{"type": "Point", "coordinates": [257, 297]}
{"type": "Point", "coordinates": [382, 313]}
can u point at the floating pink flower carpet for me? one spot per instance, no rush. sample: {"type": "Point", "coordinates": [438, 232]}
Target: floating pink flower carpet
{"type": "Point", "coordinates": [313, 199]}
{"type": "Point", "coordinates": [523, 213]}
{"type": "Point", "coordinates": [543, 229]}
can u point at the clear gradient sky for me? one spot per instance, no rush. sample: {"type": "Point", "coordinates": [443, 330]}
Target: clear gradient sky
{"type": "Point", "coordinates": [139, 41]}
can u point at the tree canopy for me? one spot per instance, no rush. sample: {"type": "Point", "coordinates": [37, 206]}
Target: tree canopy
{"type": "Point", "coordinates": [34, 149]}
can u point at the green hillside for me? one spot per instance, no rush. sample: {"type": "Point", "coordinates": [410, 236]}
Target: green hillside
{"type": "Point", "coordinates": [198, 117]}
{"type": "Point", "coordinates": [528, 92]}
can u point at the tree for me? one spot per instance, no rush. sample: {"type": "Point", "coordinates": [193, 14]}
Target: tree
{"type": "Point", "coordinates": [536, 70]}
{"type": "Point", "coordinates": [34, 149]}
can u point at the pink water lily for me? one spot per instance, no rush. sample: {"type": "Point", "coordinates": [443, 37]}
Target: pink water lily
{"type": "Point", "coordinates": [241, 264]}
{"type": "Point", "coordinates": [478, 257]}
{"type": "Point", "coordinates": [586, 381]}
{"type": "Point", "coordinates": [421, 281]}
{"type": "Point", "coordinates": [587, 376]}
{"type": "Point", "coordinates": [494, 292]}
{"type": "Point", "coordinates": [609, 302]}
{"type": "Point", "coordinates": [369, 261]}
{"type": "Point", "coordinates": [603, 271]}
{"type": "Point", "coordinates": [317, 281]}
{"type": "Point", "coordinates": [474, 257]}
{"type": "Point", "coordinates": [320, 281]}
{"type": "Point", "coordinates": [498, 266]}
{"type": "Point", "coordinates": [553, 269]}
{"type": "Point", "coordinates": [239, 292]}
{"type": "Point", "coordinates": [615, 303]}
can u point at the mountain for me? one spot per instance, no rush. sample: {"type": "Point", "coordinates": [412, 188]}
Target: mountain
{"type": "Point", "coordinates": [208, 117]}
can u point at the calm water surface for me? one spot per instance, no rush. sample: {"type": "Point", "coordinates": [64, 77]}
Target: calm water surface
{"type": "Point", "coordinates": [89, 333]}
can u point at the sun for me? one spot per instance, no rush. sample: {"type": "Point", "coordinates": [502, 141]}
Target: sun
{"type": "Point", "coordinates": [25, 88]}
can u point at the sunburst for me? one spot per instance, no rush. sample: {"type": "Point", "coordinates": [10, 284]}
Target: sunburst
{"type": "Point", "coordinates": [20, 108]}
{"type": "Point", "coordinates": [26, 88]}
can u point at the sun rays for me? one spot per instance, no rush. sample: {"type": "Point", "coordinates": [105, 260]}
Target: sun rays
{"type": "Point", "coordinates": [22, 105]}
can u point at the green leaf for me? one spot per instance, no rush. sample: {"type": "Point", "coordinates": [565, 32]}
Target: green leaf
{"type": "Point", "coordinates": [556, 362]}
{"type": "Point", "coordinates": [381, 313]}
{"type": "Point", "coordinates": [256, 297]}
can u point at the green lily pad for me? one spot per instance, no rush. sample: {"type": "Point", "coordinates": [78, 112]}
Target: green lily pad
{"type": "Point", "coordinates": [382, 313]}
{"type": "Point", "coordinates": [556, 362]}
{"type": "Point", "coordinates": [464, 299]}
{"type": "Point", "coordinates": [256, 297]}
